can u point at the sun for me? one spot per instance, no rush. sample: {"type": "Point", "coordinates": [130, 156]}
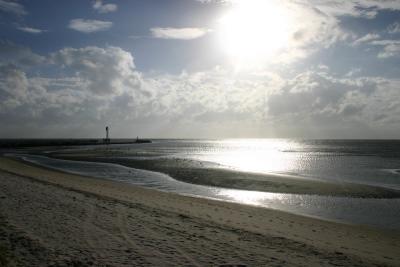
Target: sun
{"type": "Point", "coordinates": [254, 30]}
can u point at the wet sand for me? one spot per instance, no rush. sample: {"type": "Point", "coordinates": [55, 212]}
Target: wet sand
{"type": "Point", "coordinates": [211, 174]}
{"type": "Point", "coordinates": [58, 219]}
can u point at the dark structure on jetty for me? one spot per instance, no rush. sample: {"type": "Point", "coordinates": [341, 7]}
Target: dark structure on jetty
{"type": "Point", "coordinates": [24, 143]}
{"type": "Point", "coordinates": [107, 140]}
{"type": "Point", "coordinates": [141, 141]}
{"type": "Point", "coordinates": [21, 143]}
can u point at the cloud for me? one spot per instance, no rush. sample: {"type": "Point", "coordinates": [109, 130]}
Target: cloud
{"type": "Point", "coordinates": [394, 28]}
{"type": "Point", "coordinates": [306, 36]}
{"type": "Point", "coordinates": [11, 53]}
{"type": "Point", "coordinates": [97, 78]}
{"type": "Point", "coordinates": [94, 86]}
{"type": "Point", "coordinates": [211, 95]}
{"type": "Point", "coordinates": [315, 94]}
{"type": "Point", "coordinates": [31, 30]}
{"type": "Point", "coordinates": [178, 33]}
{"type": "Point", "coordinates": [12, 7]}
{"type": "Point", "coordinates": [319, 104]}
{"type": "Point", "coordinates": [357, 8]}
{"type": "Point", "coordinates": [366, 39]}
{"type": "Point", "coordinates": [103, 71]}
{"type": "Point", "coordinates": [385, 42]}
{"type": "Point", "coordinates": [212, 1]}
{"type": "Point", "coordinates": [104, 8]}
{"type": "Point", "coordinates": [353, 72]}
{"type": "Point", "coordinates": [324, 26]}
{"type": "Point", "coordinates": [13, 83]}
{"type": "Point", "coordinates": [102, 84]}
{"type": "Point", "coordinates": [89, 26]}
{"type": "Point", "coordinates": [391, 50]}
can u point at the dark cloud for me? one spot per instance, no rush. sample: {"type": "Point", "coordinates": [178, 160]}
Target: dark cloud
{"type": "Point", "coordinates": [17, 54]}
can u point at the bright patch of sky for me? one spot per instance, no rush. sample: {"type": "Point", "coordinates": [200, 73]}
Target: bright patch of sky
{"type": "Point", "coordinates": [191, 68]}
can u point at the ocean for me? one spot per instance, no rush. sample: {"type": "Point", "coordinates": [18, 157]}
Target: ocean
{"type": "Point", "coordinates": [373, 162]}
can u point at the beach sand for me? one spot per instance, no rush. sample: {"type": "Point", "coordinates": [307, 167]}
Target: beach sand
{"type": "Point", "coordinates": [53, 218]}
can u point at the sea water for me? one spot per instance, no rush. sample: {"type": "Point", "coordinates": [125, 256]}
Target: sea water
{"type": "Point", "coordinates": [375, 162]}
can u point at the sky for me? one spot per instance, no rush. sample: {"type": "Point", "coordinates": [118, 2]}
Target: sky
{"type": "Point", "coordinates": [200, 68]}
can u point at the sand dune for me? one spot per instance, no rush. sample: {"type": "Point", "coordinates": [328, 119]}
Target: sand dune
{"type": "Point", "coordinates": [53, 218]}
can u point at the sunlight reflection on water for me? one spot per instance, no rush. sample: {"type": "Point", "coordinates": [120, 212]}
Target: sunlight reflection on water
{"type": "Point", "coordinates": [251, 197]}
{"type": "Point", "coordinates": [252, 155]}
{"type": "Point", "coordinates": [383, 213]}
{"type": "Point", "coordinates": [359, 161]}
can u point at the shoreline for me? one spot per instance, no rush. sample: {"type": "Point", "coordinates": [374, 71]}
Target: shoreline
{"type": "Point", "coordinates": [191, 195]}
{"type": "Point", "coordinates": [319, 241]}
{"type": "Point", "coordinates": [347, 210]}
{"type": "Point", "coordinates": [64, 143]}
{"type": "Point", "coordinates": [208, 174]}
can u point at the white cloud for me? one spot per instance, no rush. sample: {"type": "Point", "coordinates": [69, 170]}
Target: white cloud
{"type": "Point", "coordinates": [357, 8]}
{"type": "Point", "coordinates": [366, 39]}
{"type": "Point", "coordinates": [385, 42]}
{"type": "Point", "coordinates": [102, 85]}
{"type": "Point", "coordinates": [323, 26]}
{"type": "Point", "coordinates": [317, 32]}
{"type": "Point", "coordinates": [212, 97]}
{"type": "Point", "coordinates": [319, 103]}
{"type": "Point", "coordinates": [353, 72]}
{"type": "Point", "coordinates": [268, 43]}
{"type": "Point", "coordinates": [13, 82]}
{"type": "Point", "coordinates": [391, 50]}
{"type": "Point", "coordinates": [318, 94]}
{"type": "Point", "coordinates": [103, 71]}
{"type": "Point", "coordinates": [212, 1]}
{"type": "Point", "coordinates": [104, 8]}
{"type": "Point", "coordinates": [99, 76]}
{"type": "Point", "coordinates": [394, 28]}
{"type": "Point", "coordinates": [12, 7]}
{"type": "Point", "coordinates": [89, 26]}
{"type": "Point", "coordinates": [178, 33]}
{"type": "Point", "coordinates": [31, 30]}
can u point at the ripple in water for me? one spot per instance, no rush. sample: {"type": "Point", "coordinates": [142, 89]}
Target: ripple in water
{"type": "Point", "coordinates": [384, 213]}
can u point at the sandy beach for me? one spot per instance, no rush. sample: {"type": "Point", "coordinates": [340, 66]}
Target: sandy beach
{"type": "Point", "coordinates": [49, 218]}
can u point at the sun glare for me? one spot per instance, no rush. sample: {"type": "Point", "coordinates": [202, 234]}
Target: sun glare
{"type": "Point", "coordinates": [254, 30]}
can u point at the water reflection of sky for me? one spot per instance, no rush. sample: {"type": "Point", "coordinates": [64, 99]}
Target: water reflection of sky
{"type": "Point", "coordinates": [254, 155]}
{"type": "Point", "coordinates": [378, 212]}
{"type": "Point", "coordinates": [340, 160]}
{"type": "Point", "coordinates": [250, 197]}
{"type": "Point", "coordinates": [373, 162]}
